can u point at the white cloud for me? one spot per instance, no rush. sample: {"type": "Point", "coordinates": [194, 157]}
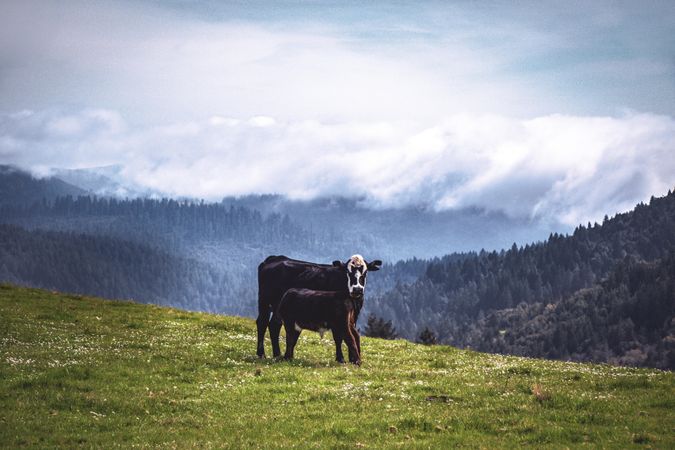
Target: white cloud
{"type": "Point", "coordinates": [564, 168]}
{"type": "Point", "coordinates": [262, 121]}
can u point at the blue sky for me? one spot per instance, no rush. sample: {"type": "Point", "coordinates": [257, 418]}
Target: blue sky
{"type": "Point", "coordinates": [554, 110]}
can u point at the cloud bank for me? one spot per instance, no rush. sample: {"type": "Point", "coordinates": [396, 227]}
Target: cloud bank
{"type": "Point", "coordinates": [523, 108]}
{"type": "Point", "coordinates": [565, 168]}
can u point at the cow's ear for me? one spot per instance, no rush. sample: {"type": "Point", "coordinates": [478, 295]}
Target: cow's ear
{"type": "Point", "coordinates": [337, 263]}
{"type": "Point", "coordinates": [374, 265]}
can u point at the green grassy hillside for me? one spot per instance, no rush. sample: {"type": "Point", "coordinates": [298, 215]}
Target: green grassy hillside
{"type": "Point", "coordinates": [82, 371]}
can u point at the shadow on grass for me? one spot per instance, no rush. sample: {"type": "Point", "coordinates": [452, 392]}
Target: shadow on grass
{"type": "Point", "coordinates": [295, 362]}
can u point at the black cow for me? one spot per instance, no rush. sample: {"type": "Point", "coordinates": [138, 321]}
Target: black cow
{"type": "Point", "coordinates": [307, 309]}
{"type": "Point", "coordinates": [277, 274]}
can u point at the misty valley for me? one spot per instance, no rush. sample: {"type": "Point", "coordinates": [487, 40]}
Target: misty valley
{"type": "Point", "coordinates": [603, 292]}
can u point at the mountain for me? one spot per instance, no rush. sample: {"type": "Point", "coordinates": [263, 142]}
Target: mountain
{"type": "Point", "coordinates": [84, 372]}
{"type": "Point", "coordinates": [406, 232]}
{"type": "Point", "coordinates": [340, 226]}
{"type": "Point", "coordinates": [18, 187]}
{"type": "Point", "coordinates": [455, 296]}
{"type": "Point", "coordinates": [351, 225]}
{"type": "Point", "coordinates": [105, 181]}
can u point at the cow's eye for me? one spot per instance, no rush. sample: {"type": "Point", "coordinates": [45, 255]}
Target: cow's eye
{"type": "Point", "coordinates": [362, 279]}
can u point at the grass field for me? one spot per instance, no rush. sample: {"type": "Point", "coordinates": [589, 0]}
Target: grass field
{"type": "Point", "coordinates": [78, 371]}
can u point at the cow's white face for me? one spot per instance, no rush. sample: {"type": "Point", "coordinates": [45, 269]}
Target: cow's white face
{"type": "Point", "coordinates": [356, 275]}
{"type": "Point", "coordinates": [356, 268]}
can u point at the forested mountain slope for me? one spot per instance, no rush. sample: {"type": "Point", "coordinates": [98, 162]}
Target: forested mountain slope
{"type": "Point", "coordinates": [454, 294]}
{"type": "Point", "coordinates": [628, 319]}
{"type": "Point", "coordinates": [114, 268]}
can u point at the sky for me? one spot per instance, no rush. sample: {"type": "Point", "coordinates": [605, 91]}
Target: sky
{"type": "Point", "coordinates": [560, 111]}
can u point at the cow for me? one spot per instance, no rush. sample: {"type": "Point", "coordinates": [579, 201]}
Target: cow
{"type": "Point", "coordinates": [277, 274]}
{"type": "Point", "coordinates": [308, 309]}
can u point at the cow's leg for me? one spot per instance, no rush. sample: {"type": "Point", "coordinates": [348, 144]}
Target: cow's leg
{"type": "Point", "coordinates": [350, 340]}
{"type": "Point", "coordinates": [357, 339]}
{"type": "Point", "coordinates": [262, 322]}
{"type": "Point", "coordinates": [275, 328]}
{"type": "Point", "coordinates": [337, 337]}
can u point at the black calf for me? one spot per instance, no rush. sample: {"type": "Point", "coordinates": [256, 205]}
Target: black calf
{"type": "Point", "coordinates": [307, 309]}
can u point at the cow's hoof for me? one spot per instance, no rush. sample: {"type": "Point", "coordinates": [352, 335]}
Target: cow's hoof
{"type": "Point", "coordinates": [261, 356]}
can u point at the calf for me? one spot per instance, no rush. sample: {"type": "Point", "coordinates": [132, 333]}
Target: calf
{"type": "Point", "coordinates": [307, 309]}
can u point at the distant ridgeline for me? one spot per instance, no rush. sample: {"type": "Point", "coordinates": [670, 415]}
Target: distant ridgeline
{"type": "Point", "coordinates": [605, 293]}
{"type": "Point", "coordinates": [19, 188]}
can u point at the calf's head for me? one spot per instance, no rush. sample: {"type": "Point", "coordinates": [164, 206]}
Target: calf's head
{"type": "Point", "coordinates": [356, 269]}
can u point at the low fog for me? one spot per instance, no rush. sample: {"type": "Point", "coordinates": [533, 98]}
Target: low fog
{"type": "Point", "coordinates": [563, 168]}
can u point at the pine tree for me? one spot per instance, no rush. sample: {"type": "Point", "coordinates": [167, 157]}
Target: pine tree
{"type": "Point", "coordinates": [427, 337]}
{"type": "Point", "coordinates": [378, 327]}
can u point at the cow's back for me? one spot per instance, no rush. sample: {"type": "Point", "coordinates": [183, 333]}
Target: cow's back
{"type": "Point", "coordinates": [277, 274]}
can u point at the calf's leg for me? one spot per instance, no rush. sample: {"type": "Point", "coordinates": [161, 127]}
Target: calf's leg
{"type": "Point", "coordinates": [350, 340]}
{"type": "Point", "coordinates": [292, 336]}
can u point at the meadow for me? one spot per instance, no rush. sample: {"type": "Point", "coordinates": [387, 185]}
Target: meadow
{"type": "Point", "coordinates": [80, 371]}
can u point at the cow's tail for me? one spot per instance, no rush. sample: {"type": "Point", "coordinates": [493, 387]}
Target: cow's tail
{"type": "Point", "coordinates": [276, 314]}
